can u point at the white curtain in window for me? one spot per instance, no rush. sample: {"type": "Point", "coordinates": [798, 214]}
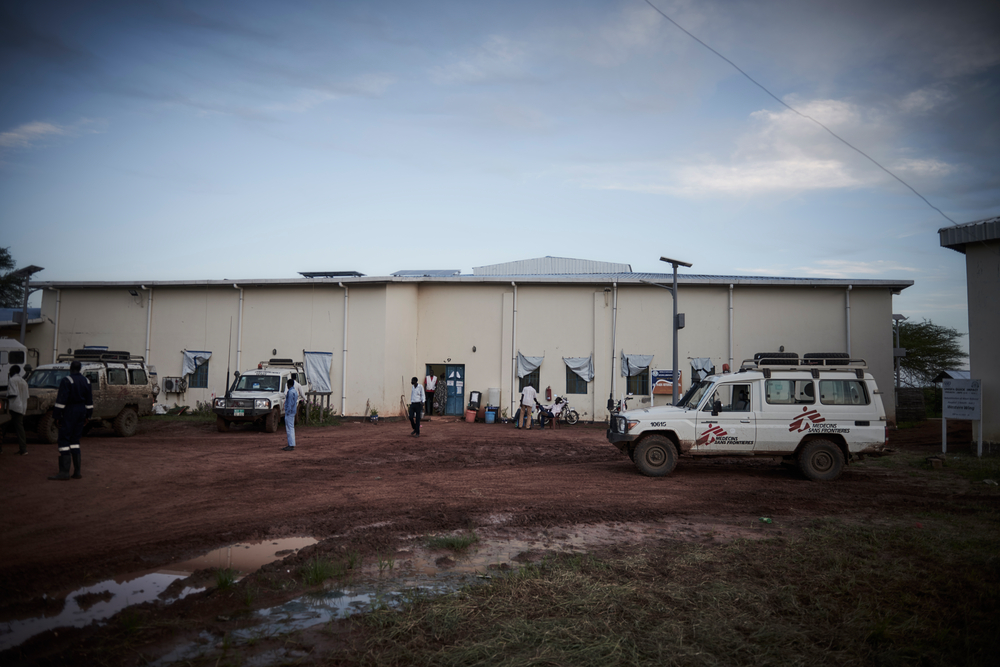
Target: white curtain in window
{"type": "Point", "coordinates": [525, 365]}
{"type": "Point", "coordinates": [193, 359]}
{"type": "Point", "coordinates": [582, 366]}
{"type": "Point", "coordinates": [318, 371]}
{"type": "Point", "coordinates": [633, 364]}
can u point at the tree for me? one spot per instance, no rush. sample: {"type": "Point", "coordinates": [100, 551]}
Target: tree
{"type": "Point", "coordinates": [930, 349]}
{"type": "Point", "coordinates": [11, 288]}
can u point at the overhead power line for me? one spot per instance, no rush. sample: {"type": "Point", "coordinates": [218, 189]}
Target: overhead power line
{"type": "Point", "coordinates": [796, 111]}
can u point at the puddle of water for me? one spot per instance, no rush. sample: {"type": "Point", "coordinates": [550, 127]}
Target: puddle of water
{"type": "Point", "coordinates": [105, 599]}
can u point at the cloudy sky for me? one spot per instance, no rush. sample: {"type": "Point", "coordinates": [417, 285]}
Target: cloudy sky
{"type": "Point", "coordinates": [207, 140]}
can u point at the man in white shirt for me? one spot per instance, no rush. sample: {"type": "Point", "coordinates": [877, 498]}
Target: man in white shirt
{"type": "Point", "coordinates": [417, 399]}
{"type": "Point", "coordinates": [430, 385]}
{"type": "Point", "coordinates": [551, 411]}
{"type": "Point", "coordinates": [17, 395]}
{"type": "Point", "coordinates": [528, 400]}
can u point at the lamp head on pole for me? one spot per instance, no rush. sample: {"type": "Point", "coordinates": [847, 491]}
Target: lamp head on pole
{"type": "Point", "coordinates": [674, 262]}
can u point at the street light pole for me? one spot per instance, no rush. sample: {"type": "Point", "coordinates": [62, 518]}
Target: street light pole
{"type": "Point", "coordinates": [26, 274]}
{"type": "Point", "coordinates": [673, 293]}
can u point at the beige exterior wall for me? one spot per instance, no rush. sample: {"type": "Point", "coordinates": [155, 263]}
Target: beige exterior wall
{"type": "Point", "coordinates": [396, 328]}
{"type": "Point", "coordinates": [982, 261]}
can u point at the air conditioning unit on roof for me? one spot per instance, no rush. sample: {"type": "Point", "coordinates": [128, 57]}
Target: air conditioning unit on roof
{"type": "Point", "coordinates": [174, 385]}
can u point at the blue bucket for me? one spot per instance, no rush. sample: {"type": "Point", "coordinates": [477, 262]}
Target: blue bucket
{"type": "Point", "coordinates": [491, 416]}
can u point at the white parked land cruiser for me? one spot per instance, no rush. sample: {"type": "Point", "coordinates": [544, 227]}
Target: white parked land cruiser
{"type": "Point", "coordinates": [259, 395]}
{"type": "Point", "coordinates": [820, 410]}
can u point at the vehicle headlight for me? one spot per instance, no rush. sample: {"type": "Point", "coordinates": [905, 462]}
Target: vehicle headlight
{"type": "Point", "coordinates": [220, 402]}
{"type": "Point", "coordinates": [262, 403]}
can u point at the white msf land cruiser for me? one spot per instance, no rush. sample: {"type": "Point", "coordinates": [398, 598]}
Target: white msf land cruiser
{"type": "Point", "coordinates": [259, 395]}
{"type": "Point", "coordinates": [819, 410]}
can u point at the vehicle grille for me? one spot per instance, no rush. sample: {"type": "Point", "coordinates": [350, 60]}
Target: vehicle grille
{"type": "Point", "coordinates": [240, 403]}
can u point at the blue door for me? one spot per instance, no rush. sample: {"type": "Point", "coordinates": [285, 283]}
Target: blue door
{"type": "Point", "coordinates": [454, 375]}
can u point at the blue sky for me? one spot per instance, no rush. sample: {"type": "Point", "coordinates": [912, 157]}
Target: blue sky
{"type": "Point", "coordinates": [208, 140]}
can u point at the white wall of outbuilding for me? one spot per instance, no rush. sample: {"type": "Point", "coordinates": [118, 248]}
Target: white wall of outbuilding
{"type": "Point", "coordinates": [395, 326]}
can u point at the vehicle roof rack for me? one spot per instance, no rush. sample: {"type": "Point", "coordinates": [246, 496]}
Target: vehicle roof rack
{"type": "Point", "coordinates": [814, 362]}
{"type": "Point", "coordinates": [100, 355]}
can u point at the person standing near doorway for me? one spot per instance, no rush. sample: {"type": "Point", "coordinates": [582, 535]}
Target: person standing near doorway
{"type": "Point", "coordinates": [430, 385]}
{"type": "Point", "coordinates": [291, 405]}
{"type": "Point", "coordinates": [528, 399]}
{"type": "Point", "coordinates": [417, 399]}
{"type": "Point", "coordinates": [441, 397]}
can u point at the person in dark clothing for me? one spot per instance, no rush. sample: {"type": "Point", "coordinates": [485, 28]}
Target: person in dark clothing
{"type": "Point", "coordinates": [74, 406]}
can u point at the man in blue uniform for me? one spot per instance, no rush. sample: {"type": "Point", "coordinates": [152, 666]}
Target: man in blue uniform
{"type": "Point", "coordinates": [291, 405]}
{"type": "Point", "coordinates": [74, 406]}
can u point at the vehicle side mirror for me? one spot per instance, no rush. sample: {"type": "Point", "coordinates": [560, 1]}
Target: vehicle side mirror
{"type": "Point", "coordinates": [716, 408]}
{"type": "Point", "coordinates": [236, 373]}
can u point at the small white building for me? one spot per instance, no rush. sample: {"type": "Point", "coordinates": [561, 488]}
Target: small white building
{"type": "Point", "coordinates": [980, 243]}
{"type": "Point", "coordinates": [378, 332]}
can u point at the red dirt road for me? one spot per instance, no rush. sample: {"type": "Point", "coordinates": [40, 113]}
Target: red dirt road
{"type": "Point", "coordinates": [179, 488]}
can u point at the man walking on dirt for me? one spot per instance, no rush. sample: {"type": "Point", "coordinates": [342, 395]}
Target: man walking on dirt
{"type": "Point", "coordinates": [291, 404]}
{"type": "Point", "coordinates": [417, 399]}
{"type": "Point", "coordinates": [17, 394]}
{"type": "Point", "coordinates": [74, 406]}
{"type": "Point", "coordinates": [528, 400]}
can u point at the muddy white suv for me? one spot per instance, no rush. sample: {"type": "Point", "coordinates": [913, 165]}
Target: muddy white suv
{"type": "Point", "coordinates": [124, 389]}
{"type": "Point", "coordinates": [820, 410]}
{"type": "Point", "coordinates": [259, 395]}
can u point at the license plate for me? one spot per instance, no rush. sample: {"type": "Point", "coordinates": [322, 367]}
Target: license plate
{"type": "Point", "coordinates": [237, 413]}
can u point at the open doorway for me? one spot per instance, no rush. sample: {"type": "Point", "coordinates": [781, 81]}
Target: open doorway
{"type": "Point", "coordinates": [451, 380]}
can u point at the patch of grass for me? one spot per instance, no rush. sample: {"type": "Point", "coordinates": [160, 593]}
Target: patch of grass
{"type": "Point", "coordinates": [386, 562]}
{"type": "Point", "coordinates": [225, 578]}
{"type": "Point", "coordinates": [973, 468]}
{"type": "Point", "coordinates": [130, 622]}
{"type": "Point", "coordinates": [839, 594]}
{"type": "Point", "coordinates": [317, 570]}
{"type": "Point", "coordinates": [459, 543]}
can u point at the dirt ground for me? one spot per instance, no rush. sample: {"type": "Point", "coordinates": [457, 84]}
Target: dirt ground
{"type": "Point", "coordinates": [179, 488]}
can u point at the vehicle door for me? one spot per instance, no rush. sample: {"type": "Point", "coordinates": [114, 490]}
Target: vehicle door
{"type": "Point", "coordinates": [788, 413]}
{"type": "Point", "coordinates": [726, 420]}
{"type": "Point", "coordinates": [140, 388]}
{"type": "Point", "coordinates": [114, 395]}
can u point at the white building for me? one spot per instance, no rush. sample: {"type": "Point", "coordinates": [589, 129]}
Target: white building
{"type": "Point", "coordinates": [980, 243]}
{"type": "Point", "coordinates": [384, 330]}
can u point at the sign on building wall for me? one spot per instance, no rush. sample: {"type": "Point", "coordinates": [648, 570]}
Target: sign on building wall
{"type": "Point", "coordinates": [663, 381]}
{"type": "Point", "coordinates": [962, 399]}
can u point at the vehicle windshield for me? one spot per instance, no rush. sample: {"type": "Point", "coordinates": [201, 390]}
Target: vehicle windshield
{"type": "Point", "coordinates": [46, 378]}
{"type": "Point", "coordinates": [258, 383]}
{"type": "Point", "coordinates": [694, 395]}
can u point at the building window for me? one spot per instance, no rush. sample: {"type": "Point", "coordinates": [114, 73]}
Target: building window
{"type": "Point", "coordinates": [532, 379]}
{"type": "Point", "coordinates": [199, 379]}
{"type": "Point", "coordinates": [638, 384]}
{"type": "Point", "coordinates": [574, 383]}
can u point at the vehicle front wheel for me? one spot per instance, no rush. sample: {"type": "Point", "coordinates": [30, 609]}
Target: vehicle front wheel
{"type": "Point", "coordinates": [126, 423]}
{"type": "Point", "coordinates": [655, 456]}
{"type": "Point", "coordinates": [271, 423]}
{"type": "Point", "coordinates": [221, 424]}
{"type": "Point", "coordinates": [821, 461]}
{"type": "Point", "coordinates": [47, 428]}
{"type": "Point", "coordinates": [572, 417]}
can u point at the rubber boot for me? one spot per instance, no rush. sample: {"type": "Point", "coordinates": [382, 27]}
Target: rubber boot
{"type": "Point", "coordinates": [64, 460]}
{"type": "Point", "coordinates": [76, 463]}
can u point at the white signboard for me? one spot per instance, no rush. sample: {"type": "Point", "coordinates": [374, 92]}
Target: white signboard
{"type": "Point", "coordinates": [962, 399]}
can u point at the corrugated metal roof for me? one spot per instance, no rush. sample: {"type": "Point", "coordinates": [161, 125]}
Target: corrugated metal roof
{"type": "Point", "coordinates": [958, 236]}
{"type": "Point", "coordinates": [550, 266]}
